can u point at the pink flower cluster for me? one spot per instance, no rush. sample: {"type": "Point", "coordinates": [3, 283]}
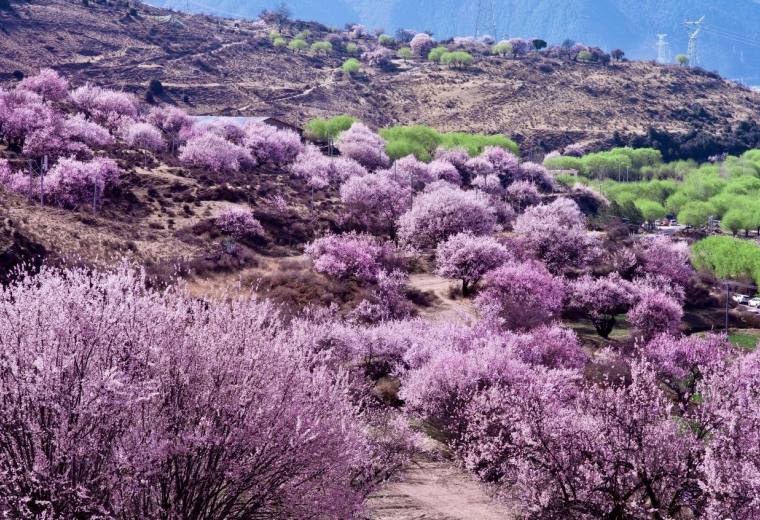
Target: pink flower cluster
{"type": "Point", "coordinates": [350, 255]}
{"type": "Point", "coordinates": [520, 296]}
{"type": "Point", "coordinates": [556, 234]}
{"type": "Point", "coordinates": [48, 84]}
{"type": "Point", "coordinates": [216, 153]}
{"type": "Point", "coordinates": [112, 394]}
{"type": "Point", "coordinates": [106, 107]}
{"type": "Point", "coordinates": [468, 257]}
{"type": "Point", "coordinates": [320, 171]}
{"type": "Point", "coordinates": [437, 215]}
{"type": "Point", "coordinates": [364, 146]}
{"type": "Point", "coordinates": [144, 136]}
{"type": "Point", "coordinates": [239, 223]}
{"type": "Point", "coordinates": [373, 202]}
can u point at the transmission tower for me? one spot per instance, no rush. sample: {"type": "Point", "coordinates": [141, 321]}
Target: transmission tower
{"type": "Point", "coordinates": [485, 18]}
{"type": "Point", "coordinates": [694, 29]}
{"type": "Point", "coordinates": [663, 49]}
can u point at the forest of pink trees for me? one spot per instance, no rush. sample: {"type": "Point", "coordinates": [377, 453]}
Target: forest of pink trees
{"type": "Point", "coordinates": [123, 401]}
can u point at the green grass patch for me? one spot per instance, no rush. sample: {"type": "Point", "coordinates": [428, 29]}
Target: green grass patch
{"type": "Point", "coordinates": [744, 340]}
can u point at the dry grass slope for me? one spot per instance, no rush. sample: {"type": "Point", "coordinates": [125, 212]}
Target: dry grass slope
{"type": "Point", "coordinates": [210, 65]}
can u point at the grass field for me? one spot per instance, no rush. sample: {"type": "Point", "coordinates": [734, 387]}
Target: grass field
{"type": "Point", "coordinates": [746, 339]}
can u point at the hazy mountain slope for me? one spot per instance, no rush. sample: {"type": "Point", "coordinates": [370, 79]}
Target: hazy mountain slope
{"type": "Point", "coordinates": [629, 24]}
{"type": "Point", "coordinates": [210, 66]}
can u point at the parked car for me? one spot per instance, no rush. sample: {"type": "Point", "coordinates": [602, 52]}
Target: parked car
{"type": "Point", "coordinates": [741, 298]}
{"type": "Point", "coordinates": [754, 302]}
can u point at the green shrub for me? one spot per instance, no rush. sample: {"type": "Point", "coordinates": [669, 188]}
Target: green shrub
{"type": "Point", "coordinates": [503, 49]}
{"type": "Point", "coordinates": [351, 48]}
{"type": "Point", "coordinates": [457, 59]}
{"type": "Point", "coordinates": [569, 180]}
{"type": "Point", "coordinates": [273, 35]}
{"type": "Point", "coordinates": [279, 42]}
{"type": "Point", "coordinates": [584, 56]}
{"type": "Point", "coordinates": [386, 40]}
{"type": "Point", "coordinates": [682, 60]}
{"type": "Point", "coordinates": [564, 163]}
{"type": "Point", "coordinates": [605, 165]}
{"type": "Point", "coordinates": [475, 143]}
{"type": "Point", "coordinates": [676, 201]}
{"type": "Point", "coordinates": [323, 47]}
{"type": "Point", "coordinates": [727, 257]}
{"type": "Point", "coordinates": [436, 53]}
{"type": "Point", "coordinates": [405, 53]}
{"type": "Point", "coordinates": [734, 220]}
{"type": "Point", "coordinates": [298, 45]}
{"type": "Point", "coordinates": [405, 140]}
{"type": "Point", "coordinates": [696, 213]}
{"type": "Point", "coordinates": [351, 66]}
{"type": "Point", "coordinates": [402, 148]}
{"type": "Point", "coordinates": [650, 210]}
{"type": "Point", "coordinates": [326, 130]}
{"type": "Point", "coordinates": [422, 141]}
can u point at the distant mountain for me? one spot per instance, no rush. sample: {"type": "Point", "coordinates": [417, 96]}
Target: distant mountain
{"type": "Point", "coordinates": [730, 42]}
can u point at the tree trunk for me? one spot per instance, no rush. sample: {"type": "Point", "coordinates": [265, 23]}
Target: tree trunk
{"type": "Point", "coordinates": [604, 325]}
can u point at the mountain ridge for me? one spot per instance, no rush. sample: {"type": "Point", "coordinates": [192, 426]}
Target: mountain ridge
{"type": "Point", "coordinates": [630, 25]}
{"type": "Point", "coordinates": [210, 65]}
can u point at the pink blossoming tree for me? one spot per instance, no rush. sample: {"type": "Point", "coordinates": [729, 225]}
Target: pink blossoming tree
{"type": "Point", "coordinates": [364, 146]}
{"type": "Point", "coordinates": [144, 136]}
{"type": "Point", "coordinates": [213, 152]}
{"type": "Point", "coordinates": [239, 223]}
{"type": "Point", "coordinates": [602, 299]}
{"type": "Point", "coordinates": [373, 202]}
{"type": "Point", "coordinates": [437, 215]}
{"type": "Point", "coordinates": [519, 296]}
{"type": "Point", "coordinates": [48, 84]}
{"type": "Point", "coordinates": [350, 255]}
{"type": "Point", "coordinates": [467, 257]}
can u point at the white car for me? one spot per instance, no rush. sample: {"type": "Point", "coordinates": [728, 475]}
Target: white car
{"type": "Point", "coordinates": [741, 298]}
{"type": "Point", "coordinates": [754, 302]}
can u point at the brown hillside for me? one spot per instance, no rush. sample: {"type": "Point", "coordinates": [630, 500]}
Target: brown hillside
{"type": "Point", "coordinates": [210, 65]}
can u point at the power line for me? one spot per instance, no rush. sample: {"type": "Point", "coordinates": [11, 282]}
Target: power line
{"type": "Point", "coordinates": [731, 37]}
{"type": "Point", "coordinates": [726, 31]}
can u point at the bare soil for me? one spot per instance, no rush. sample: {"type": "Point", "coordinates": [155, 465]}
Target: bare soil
{"type": "Point", "coordinates": [433, 488]}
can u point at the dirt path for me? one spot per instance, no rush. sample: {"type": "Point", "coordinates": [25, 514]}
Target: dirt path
{"type": "Point", "coordinates": [433, 490]}
{"type": "Point", "coordinates": [431, 487]}
{"type": "Point", "coordinates": [445, 307]}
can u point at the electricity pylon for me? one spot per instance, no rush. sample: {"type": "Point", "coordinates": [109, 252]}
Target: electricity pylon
{"type": "Point", "coordinates": [694, 29]}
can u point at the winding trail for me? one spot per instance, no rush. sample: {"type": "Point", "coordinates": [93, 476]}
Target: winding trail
{"type": "Point", "coordinates": [431, 487]}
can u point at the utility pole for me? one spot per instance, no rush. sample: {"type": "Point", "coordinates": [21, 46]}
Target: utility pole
{"type": "Point", "coordinates": [663, 49]}
{"type": "Point", "coordinates": [728, 292]}
{"type": "Point", "coordinates": [694, 29]}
